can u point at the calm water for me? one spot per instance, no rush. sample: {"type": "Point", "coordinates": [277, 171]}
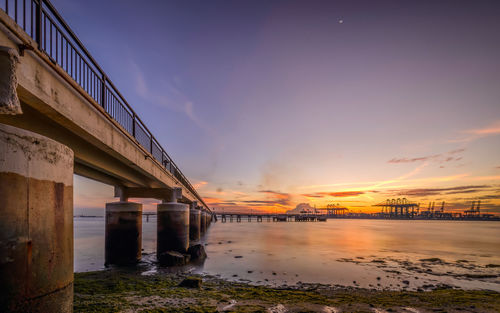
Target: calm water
{"type": "Point", "coordinates": [366, 253]}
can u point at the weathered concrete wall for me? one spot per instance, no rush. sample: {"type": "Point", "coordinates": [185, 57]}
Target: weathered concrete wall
{"type": "Point", "coordinates": [172, 227]}
{"type": "Point", "coordinates": [36, 223]}
{"type": "Point", "coordinates": [123, 241]}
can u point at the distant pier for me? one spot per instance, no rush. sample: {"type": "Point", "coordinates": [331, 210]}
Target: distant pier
{"type": "Point", "coordinates": [260, 217]}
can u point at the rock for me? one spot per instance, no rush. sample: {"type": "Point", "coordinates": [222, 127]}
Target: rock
{"type": "Point", "coordinates": [172, 258]}
{"type": "Point", "coordinates": [432, 260]}
{"type": "Point", "coordinates": [191, 282]}
{"type": "Point", "coordinates": [238, 256]}
{"type": "Point", "coordinates": [197, 252]}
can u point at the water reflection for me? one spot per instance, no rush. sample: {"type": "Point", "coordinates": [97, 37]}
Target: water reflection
{"type": "Point", "coordinates": [365, 253]}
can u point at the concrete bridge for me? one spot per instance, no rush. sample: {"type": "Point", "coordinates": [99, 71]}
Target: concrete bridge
{"type": "Point", "coordinates": [60, 114]}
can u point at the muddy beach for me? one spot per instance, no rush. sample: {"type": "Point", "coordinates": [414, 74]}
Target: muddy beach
{"type": "Point", "coordinates": [130, 291]}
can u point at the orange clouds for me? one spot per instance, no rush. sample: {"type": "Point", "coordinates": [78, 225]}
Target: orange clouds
{"type": "Point", "coordinates": [200, 184]}
{"type": "Point", "coordinates": [343, 193]}
{"type": "Point", "coordinates": [473, 134]}
{"type": "Point", "coordinates": [272, 201]}
{"type": "Point", "coordinates": [276, 194]}
{"type": "Point", "coordinates": [489, 130]}
{"type": "Point", "coordinates": [447, 157]}
{"type": "Point", "coordinates": [336, 194]}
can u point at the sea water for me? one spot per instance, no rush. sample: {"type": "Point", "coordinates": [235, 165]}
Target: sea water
{"type": "Point", "coordinates": [378, 254]}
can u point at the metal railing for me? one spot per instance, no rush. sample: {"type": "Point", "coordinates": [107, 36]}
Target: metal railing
{"type": "Point", "coordinates": [41, 21]}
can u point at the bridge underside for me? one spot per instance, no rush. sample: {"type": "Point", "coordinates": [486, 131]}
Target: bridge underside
{"type": "Point", "coordinates": [55, 106]}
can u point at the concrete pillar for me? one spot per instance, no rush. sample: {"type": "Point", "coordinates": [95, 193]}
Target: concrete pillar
{"type": "Point", "coordinates": [207, 220]}
{"type": "Point", "coordinates": [36, 223]}
{"type": "Point", "coordinates": [172, 227]}
{"type": "Point", "coordinates": [9, 102]}
{"type": "Point", "coordinates": [123, 239]}
{"type": "Point", "coordinates": [203, 222]}
{"type": "Point", "coordinates": [194, 223]}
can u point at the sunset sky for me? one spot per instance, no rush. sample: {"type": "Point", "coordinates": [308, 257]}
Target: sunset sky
{"type": "Point", "coordinates": [268, 104]}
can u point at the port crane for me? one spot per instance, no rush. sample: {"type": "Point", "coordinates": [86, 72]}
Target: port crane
{"type": "Point", "coordinates": [398, 207]}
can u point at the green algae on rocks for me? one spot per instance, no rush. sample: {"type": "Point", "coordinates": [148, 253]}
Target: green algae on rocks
{"type": "Point", "coordinates": [125, 291]}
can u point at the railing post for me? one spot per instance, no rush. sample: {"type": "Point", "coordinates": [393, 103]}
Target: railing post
{"type": "Point", "coordinates": [151, 143]}
{"type": "Point", "coordinates": [133, 124]}
{"type": "Point", "coordinates": [103, 92]}
{"type": "Point", "coordinates": [38, 24]}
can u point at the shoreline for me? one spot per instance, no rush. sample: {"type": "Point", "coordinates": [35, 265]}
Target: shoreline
{"type": "Point", "coordinates": [128, 290]}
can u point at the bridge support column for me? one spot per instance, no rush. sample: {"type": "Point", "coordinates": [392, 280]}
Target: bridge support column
{"type": "Point", "coordinates": [36, 223]}
{"type": "Point", "coordinates": [172, 227]}
{"type": "Point", "coordinates": [123, 239]}
{"type": "Point", "coordinates": [203, 222]}
{"type": "Point", "coordinates": [194, 223]}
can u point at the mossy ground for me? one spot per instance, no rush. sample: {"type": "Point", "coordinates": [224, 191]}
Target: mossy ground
{"type": "Point", "coordinates": [122, 291]}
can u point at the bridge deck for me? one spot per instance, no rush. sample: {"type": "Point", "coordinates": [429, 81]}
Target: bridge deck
{"type": "Point", "coordinates": [66, 96]}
